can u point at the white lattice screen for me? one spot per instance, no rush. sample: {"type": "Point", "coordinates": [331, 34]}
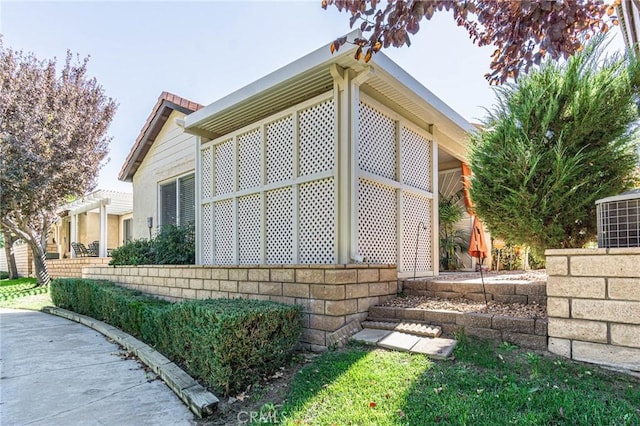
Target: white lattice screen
{"type": "Point", "coordinates": [207, 233]}
{"type": "Point", "coordinates": [377, 233]}
{"type": "Point", "coordinates": [376, 142]}
{"type": "Point", "coordinates": [416, 159]}
{"type": "Point", "coordinates": [280, 225]}
{"type": "Point", "coordinates": [379, 212]}
{"type": "Point", "coordinates": [416, 212]}
{"type": "Point", "coordinates": [224, 232]}
{"type": "Point", "coordinates": [249, 159]}
{"type": "Point", "coordinates": [249, 228]}
{"type": "Point", "coordinates": [280, 150]}
{"type": "Point", "coordinates": [317, 138]}
{"type": "Point", "coordinates": [317, 239]}
{"type": "Point", "coordinates": [281, 210]}
{"type": "Point", "coordinates": [223, 166]}
{"type": "Point", "coordinates": [207, 173]}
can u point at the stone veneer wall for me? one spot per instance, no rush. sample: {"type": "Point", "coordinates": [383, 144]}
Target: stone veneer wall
{"type": "Point", "coordinates": [331, 295]}
{"type": "Point", "coordinates": [72, 268]}
{"type": "Point", "coordinates": [593, 304]}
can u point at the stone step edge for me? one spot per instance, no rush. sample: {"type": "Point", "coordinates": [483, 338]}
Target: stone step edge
{"type": "Point", "coordinates": [405, 327]}
{"type": "Point", "coordinates": [199, 400]}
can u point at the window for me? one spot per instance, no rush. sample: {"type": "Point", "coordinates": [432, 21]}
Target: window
{"type": "Point", "coordinates": [178, 201]}
{"type": "Point", "coordinates": [127, 231]}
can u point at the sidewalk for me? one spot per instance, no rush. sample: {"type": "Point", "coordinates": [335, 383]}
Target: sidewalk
{"type": "Point", "coordinates": [57, 372]}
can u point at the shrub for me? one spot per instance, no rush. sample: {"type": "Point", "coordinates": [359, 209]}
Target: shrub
{"type": "Point", "coordinates": [227, 343]}
{"type": "Point", "coordinates": [561, 138]}
{"type": "Point", "coordinates": [4, 275]}
{"type": "Point", "coordinates": [173, 245]}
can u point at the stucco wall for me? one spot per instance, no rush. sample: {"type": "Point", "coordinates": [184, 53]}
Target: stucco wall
{"type": "Point", "coordinates": [593, 303]}
{"type": "Point", "coordinates": [331, 295]}
{"type": "Point", "coordinates": [171, 155]}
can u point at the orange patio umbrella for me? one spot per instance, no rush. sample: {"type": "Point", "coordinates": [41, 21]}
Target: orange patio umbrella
{"type": "Point", "coordinates": [478, 247]}
{"type": "Point", "coordinates": [477, 243]}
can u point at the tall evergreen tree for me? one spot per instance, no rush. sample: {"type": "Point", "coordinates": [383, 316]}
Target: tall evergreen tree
{"type": "Point", "coordinates": [561, 138]}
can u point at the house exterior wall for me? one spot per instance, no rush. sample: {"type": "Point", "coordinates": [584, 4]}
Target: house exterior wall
{"type": "Point", "coordinates": [331, 295]}
{"type": "Point", "coordinates": [171, 155]}
{"type": "Point", "coordinates": [318, 184]}
{"type": "Point", "coordinates": [24, 259]}
{"type": "Point", "coordinates": [593, 304]}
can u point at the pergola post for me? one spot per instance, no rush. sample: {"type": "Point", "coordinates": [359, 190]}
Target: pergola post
{"type": "Point", "coordinates": [103, 230]}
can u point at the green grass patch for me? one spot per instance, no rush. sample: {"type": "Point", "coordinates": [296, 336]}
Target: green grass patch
{"type": "Point", "coordinates": [21, 287]}
{"type": "Point", "coordinates": [484, 385]}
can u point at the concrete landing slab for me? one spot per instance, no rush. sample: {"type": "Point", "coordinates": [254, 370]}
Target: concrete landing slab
{"type": "Point", "coordinates": [437, 348]}
{"type": "Point", "coordinates": [399, 341]}
{"type": "Point", "coordinates": [370, 336]}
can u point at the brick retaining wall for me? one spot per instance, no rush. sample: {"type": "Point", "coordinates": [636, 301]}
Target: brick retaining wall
{"type": "Point", "coordinates": [594, 305]}
{"type": "Point", "coordinates": [72, 268]}
{"type": "Point", "coordinates": [331, 295]}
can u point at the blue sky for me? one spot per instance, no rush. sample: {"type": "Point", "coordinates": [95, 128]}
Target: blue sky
{"type": "Point", "coordinates": [205, 50]}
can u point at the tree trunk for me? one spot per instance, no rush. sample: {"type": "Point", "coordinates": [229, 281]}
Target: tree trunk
{"type": "Point", "coordinates": [8, 251]}
{"type": "Point", "coordinates": [40, 263]}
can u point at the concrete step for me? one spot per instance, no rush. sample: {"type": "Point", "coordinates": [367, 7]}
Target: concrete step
{"type": "Point", "coordinates": [419, 329]}
{"type": "Point", "coordinates": [437, 348]}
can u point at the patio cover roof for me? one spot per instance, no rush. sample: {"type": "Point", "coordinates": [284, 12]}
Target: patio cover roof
{"type": "Point", "coordinates": [310, 76]}
{"type": "Point", "coordinates": [118, 203]}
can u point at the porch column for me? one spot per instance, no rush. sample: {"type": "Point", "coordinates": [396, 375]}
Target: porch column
{"type": "Point", "coordinates": [103, 230]}
{"type": "Point", "coordinates": [74, 232]}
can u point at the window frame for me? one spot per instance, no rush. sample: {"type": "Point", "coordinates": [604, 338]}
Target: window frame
{"type": "Point", "coordinates": [176, 180]}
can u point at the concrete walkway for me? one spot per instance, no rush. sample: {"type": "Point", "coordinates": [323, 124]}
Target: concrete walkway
{"type": "Point", "coordinates": [57, 372]}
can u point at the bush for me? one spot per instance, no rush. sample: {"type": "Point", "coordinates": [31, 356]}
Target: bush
{"type": "Point", "coordinates": [173, 245]}
{"type": "Point", "coordinates": [227, 343]}
{"type": "Point", "coordinates": [4, 275]}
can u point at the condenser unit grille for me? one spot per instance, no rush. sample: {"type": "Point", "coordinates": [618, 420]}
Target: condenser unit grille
{"type": "Point", "coordinates": [619, 222]}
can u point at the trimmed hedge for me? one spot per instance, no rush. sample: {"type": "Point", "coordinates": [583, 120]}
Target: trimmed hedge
{"type": "Point", "coordinates": [227, 343]}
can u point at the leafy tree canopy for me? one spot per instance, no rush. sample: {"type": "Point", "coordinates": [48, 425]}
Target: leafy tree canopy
{"type": "Point", "coordinates": [52, 141]}
{"type": "Point", "coordinates": [523, 31]}
{"type": "Point", "coordinates": [561, 138]}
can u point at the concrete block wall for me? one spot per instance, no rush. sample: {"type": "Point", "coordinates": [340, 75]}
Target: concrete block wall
{"type": "Point", "coordinates": [331, 295]}
{"type": "Point", "coordinates": [72, 268]}
{"type": "Point", "coordinates": [593, 304]}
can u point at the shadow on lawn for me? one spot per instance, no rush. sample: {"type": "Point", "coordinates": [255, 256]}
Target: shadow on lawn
{"type": "Point", "coordinates": [318, 375]}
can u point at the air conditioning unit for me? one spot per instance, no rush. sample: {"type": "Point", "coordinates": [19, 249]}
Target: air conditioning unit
{"type": "Point", "coordinates": [619, 220]}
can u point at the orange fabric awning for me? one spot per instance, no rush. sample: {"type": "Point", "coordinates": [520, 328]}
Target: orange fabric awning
{"type": "Point", "coordinates": [477, 243]}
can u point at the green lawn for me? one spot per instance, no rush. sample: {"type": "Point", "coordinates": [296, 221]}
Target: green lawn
{"type": "Point", "coordinates": [485, 385]}
{"type": "Point", "coordinates": [23, 293]}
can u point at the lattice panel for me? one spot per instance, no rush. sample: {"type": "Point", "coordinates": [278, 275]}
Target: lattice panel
{"type": "Point", "coordinates": [207, 173]}
{"type": "Point", "coordinates": [377, 222]}
{"type": "Point", "coordinates": [280, 150]}
{"type": "Point", "coordinates": [377, 151]}
{"type": "Point", "coordinates": [207, 234]}
{"type": "Point", "coordinates": [317, 222]}
{"type": "Point", "coordinates": [224, 178]}
{"type": "Point", "coordinates": [416, 209]}
{"type": "Point", "coordinates": [224, 232]}
{"type": "Point", "coordinates": [317, 137]}
{"type": "Point", "coordinates": [416, 160]}
{"type": "Point", "coordinates": [249, 159]}
{"type": "Point", "coordinates": [279, 221]}
{"type": "Point", "coordinates": [249, 229]}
